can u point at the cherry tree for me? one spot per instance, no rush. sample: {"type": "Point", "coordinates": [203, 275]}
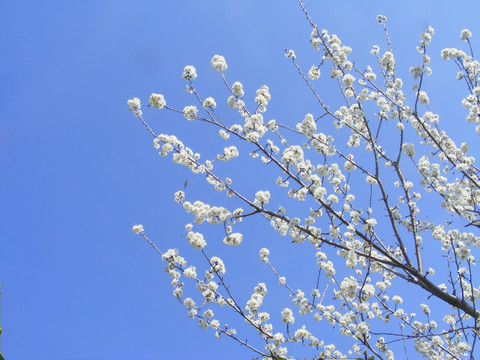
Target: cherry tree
{"type": "Point", "coordinates": [357, 200]}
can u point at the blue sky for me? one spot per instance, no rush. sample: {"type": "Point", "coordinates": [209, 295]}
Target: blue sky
{"type": "Point", "coordinates": [78, 170]}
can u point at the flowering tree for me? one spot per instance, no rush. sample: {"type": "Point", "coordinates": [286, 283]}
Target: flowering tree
{"type": "Point", "coordinates": [361, 191]}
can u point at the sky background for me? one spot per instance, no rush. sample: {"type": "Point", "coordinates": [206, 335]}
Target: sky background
{"type": "Point", "coordinates": [78, 169]}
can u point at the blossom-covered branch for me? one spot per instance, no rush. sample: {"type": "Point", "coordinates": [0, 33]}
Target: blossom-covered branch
{"type": "Point", "coordinates": [362, 188]}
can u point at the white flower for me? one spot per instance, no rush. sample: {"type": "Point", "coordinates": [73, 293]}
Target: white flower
{"type": "Point", "coordinates": [237, 88]}
{"type": "Point", "coordinates": [196, 240]}
{"type": "Point", "coordinates": [348, 80]}
{"type": "Point", "coordinates": [423, 98]}
{"type": "Point", "coordinates": [134, 106]}
{"type": "Point", "coordinates": [287, 316]}
{"type": "Point", "coordinates": [209, 102]}
{"type": "Point", "coordinates": [190, 112]}
{"type": "Point", "coordinates": [262, 197]}
{"type": "Point", "coordinates": [229, 153]}
{"type": "Point", "coordinates": [262, 98]}
{"type": "Point", "coordinates": [381, 345]}
{"type": "Point", "coordinates": [371, 180]}
{"type": "Point", "coordinates": [218, 265]}
{"type": "Point", "coordinates": [264, 254]}
{"type": "Point", "coordinates": [178, 292]}
{"type": "Point", "coordinates": [137, 229]}
{"type": "Point", "coordinates": [335, 73]}
{"type": "Point", "coordinates": [465, 34]}
{"type": "Point", "coordinates": [381, 19]}
{"type": "Point", "coordinates": [218, 63]}
{"type": "Point", "coordinates": [449, 319]}
{"type": "Point", "coordinates": [231, 331]}
{"type": "Point", "coordinates": [348, 288]}
{"type": "Point", "coordinates": [214, 324]}
{"type": "Point", "coordinates": [328, 267]}
{"type": "Point", "coordinates": [314, 73]}
{"type": "Point", "coordinates": [362, 330]}
{"type": "Point", "coordinates": [409, 149]}
{"type": "Point", "coordinates": [170, 255]}
{"type": "Point", "coordinates": [190, 272]}
{"type": "Point", "coordinates": [316, 42]}
{"type": "Point", "coordinates": [425, 308]}
{"type": "Point", "coordinates": [388, 61]}
{"type": "Point", "coordinates": [349, 165]}
{"type": "Point", "coordinates": [399, 313]}
{"type": "Point", "coordinates": [308, 126]}
{"type": "Point", "coordinates": [290, 54]}
{"type": "Point", "coordinates": [301, 334]}
{"type": "Point", "coordinates": [208, 314]}
{"type": "Point", "coordinates": [332, 198]}
{"type": "Point", "coordinates": [202, 324]}
{"type": "Point", "coordinates": [278, 338]}
{"type": "Point", "coordinates": [179, 196]}
{"type": "Point", "coordinates": [397, 299]}
{"type": "Point", "coordinates": [223, 134]}
{"type": "Point", "coordinates": [416, 71]}
{"type": "Point", "coordinates": [370, 76]}
{"type": "Point", "coordinates": [369, 224]}
{"type": "Point", "coordinates": [189, 303]}
{"type": "Point", "coordinates": [232, 102]}
{"type": "Point", "coordinates": [157, 101]}
{"type": "Point", "coordinates": [233, 239]}
{"type": "Point", "coordinates": [189, 73]}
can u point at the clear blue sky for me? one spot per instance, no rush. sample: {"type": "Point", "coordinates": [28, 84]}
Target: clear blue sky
{"type": "Point", "coordinates": [78, 170]}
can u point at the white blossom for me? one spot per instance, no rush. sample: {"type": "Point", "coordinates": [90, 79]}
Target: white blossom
{"type": "Point", "coordinates": [190, 272]}
{"type": "Point", "coordinates": [137, 229]}
{"type": "Point", "coordinates": [381, 19]}
{"type": "Point", "coordinates": [290, 54]}
{"type": "Point", "coordinates": [264, 252]}
{"type": "Point", "coordinates": [262, 197]}
{"type": "Point", "coordinates": [388, 61]}
{"type": "Point", "coordinates": [218, 63]}
{"type": "Point", "coordinates": [190, 112]}
{"type": "Point", "coordinates": [465, 34]}
{"type": "Point", "coordinates": [371, 180]}
{"type": "Point", "coordinates": [314, 73]}
{"type": "Point", "coordinates": [409, 149]}
{"type": "Point", "coordinates": [233, 239]}
{"type": "Point", "coordinates": [189, 73]}
{"type": "Point", "coordinates": [397, 299]}
{"type": "Point", "coordinates": [423, 98]}
{"type": "Point", "coordinates": [196, 240]}
{"type": "Point", "coordinates": [157, 101]}
{"type": "Point", "coordinates": [348, 80]}
{"type": "Point", "coordinates": [287, 316]}
{"type": "Point", "coordinates": [179, 196]}
{"type": "Point", "coordinates": [134, 106]}
{"type": "Point", "coordinates": [237, 88]}
{"type": "Point", "coordinates": [209, 103]}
